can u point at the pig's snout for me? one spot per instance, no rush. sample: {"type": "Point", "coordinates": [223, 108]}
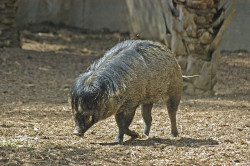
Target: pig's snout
{"type": "Point", "coordinates": [78, 131]}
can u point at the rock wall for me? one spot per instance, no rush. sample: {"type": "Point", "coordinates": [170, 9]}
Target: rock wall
{"type": "Point", "coordinates": [9, 36]}
{"type": "Point", "coordinates": [238, 32]}
{"type": "Point", "coordinates": [193, 29]}
{"type": "Point", "coordinates": [146, 19]}
{"type": "Point", "coordinates": [116, 15]}
{"type": "Point", "coordinates": [91, 15]}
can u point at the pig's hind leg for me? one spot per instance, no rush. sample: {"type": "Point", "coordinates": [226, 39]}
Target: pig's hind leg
{"type": "Point", "coordinates": [172, 106]}
{"type": "Point", "coordinates": [123, 120]}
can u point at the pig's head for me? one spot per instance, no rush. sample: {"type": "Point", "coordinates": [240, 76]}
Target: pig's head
{"type": "Point", "coordinates": [88, 97]}
{"type": "Point", "coordinates": [85, 107]}
{"type": "Point", "coordinates": [84, 119]}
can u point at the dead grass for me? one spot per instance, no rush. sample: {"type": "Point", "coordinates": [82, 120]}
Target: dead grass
{"type": "Point", "coordinates": [36, 124]}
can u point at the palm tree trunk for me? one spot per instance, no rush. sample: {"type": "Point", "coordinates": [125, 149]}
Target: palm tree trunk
{"type": "Point", "coordinates": [194, 30]}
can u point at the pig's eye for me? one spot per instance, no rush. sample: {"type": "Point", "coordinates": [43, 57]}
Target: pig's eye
{"type": "Point", "coordinates": [91, 119]}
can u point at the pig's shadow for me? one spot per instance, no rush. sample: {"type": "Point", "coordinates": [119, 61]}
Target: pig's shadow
{"type": "Point", "coordinates": [182, 142]}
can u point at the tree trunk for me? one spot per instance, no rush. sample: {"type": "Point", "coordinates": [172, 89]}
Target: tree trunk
{"type": "Point", "coordinates": [194, 30]}
{"type": "Point", "coordinates": [9, 36]}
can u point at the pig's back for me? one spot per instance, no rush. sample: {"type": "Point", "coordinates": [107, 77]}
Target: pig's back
{"type": "Point", "coordinates": [138, 68]}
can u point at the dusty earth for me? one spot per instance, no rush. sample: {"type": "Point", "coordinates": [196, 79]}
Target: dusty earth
{"type": "Point", "coordinates": [36, 122]}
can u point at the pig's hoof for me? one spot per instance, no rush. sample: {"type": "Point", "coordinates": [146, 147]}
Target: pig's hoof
{"type": "Point", "coordinates": [78, 134]}
{"type": "Point", "coordinates": [144, 136]}
{"type": "Point", "coordinates": [118, 140]}
{"type": "Point", "coordinates": [134, 135]}
{"type": "Point", "coordinates": [174, 134]}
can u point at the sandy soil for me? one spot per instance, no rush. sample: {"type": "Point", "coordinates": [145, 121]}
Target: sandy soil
{"type": "Point", "coordinates": [36, 122]}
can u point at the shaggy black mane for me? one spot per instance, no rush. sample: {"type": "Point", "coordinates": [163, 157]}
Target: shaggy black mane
{"type": "Point", "coordinates": [108, 75]}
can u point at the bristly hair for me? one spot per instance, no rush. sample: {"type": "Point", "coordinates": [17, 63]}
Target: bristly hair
{"type": "Point", "coordinates": [108, 75]}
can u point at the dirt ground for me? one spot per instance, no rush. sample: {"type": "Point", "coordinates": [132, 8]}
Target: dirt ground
{"type": "Point", "coordinates": [36, 123]}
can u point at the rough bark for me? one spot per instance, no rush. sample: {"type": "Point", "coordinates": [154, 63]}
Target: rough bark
{"type": "Point", "coordinates": [194, 30]}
